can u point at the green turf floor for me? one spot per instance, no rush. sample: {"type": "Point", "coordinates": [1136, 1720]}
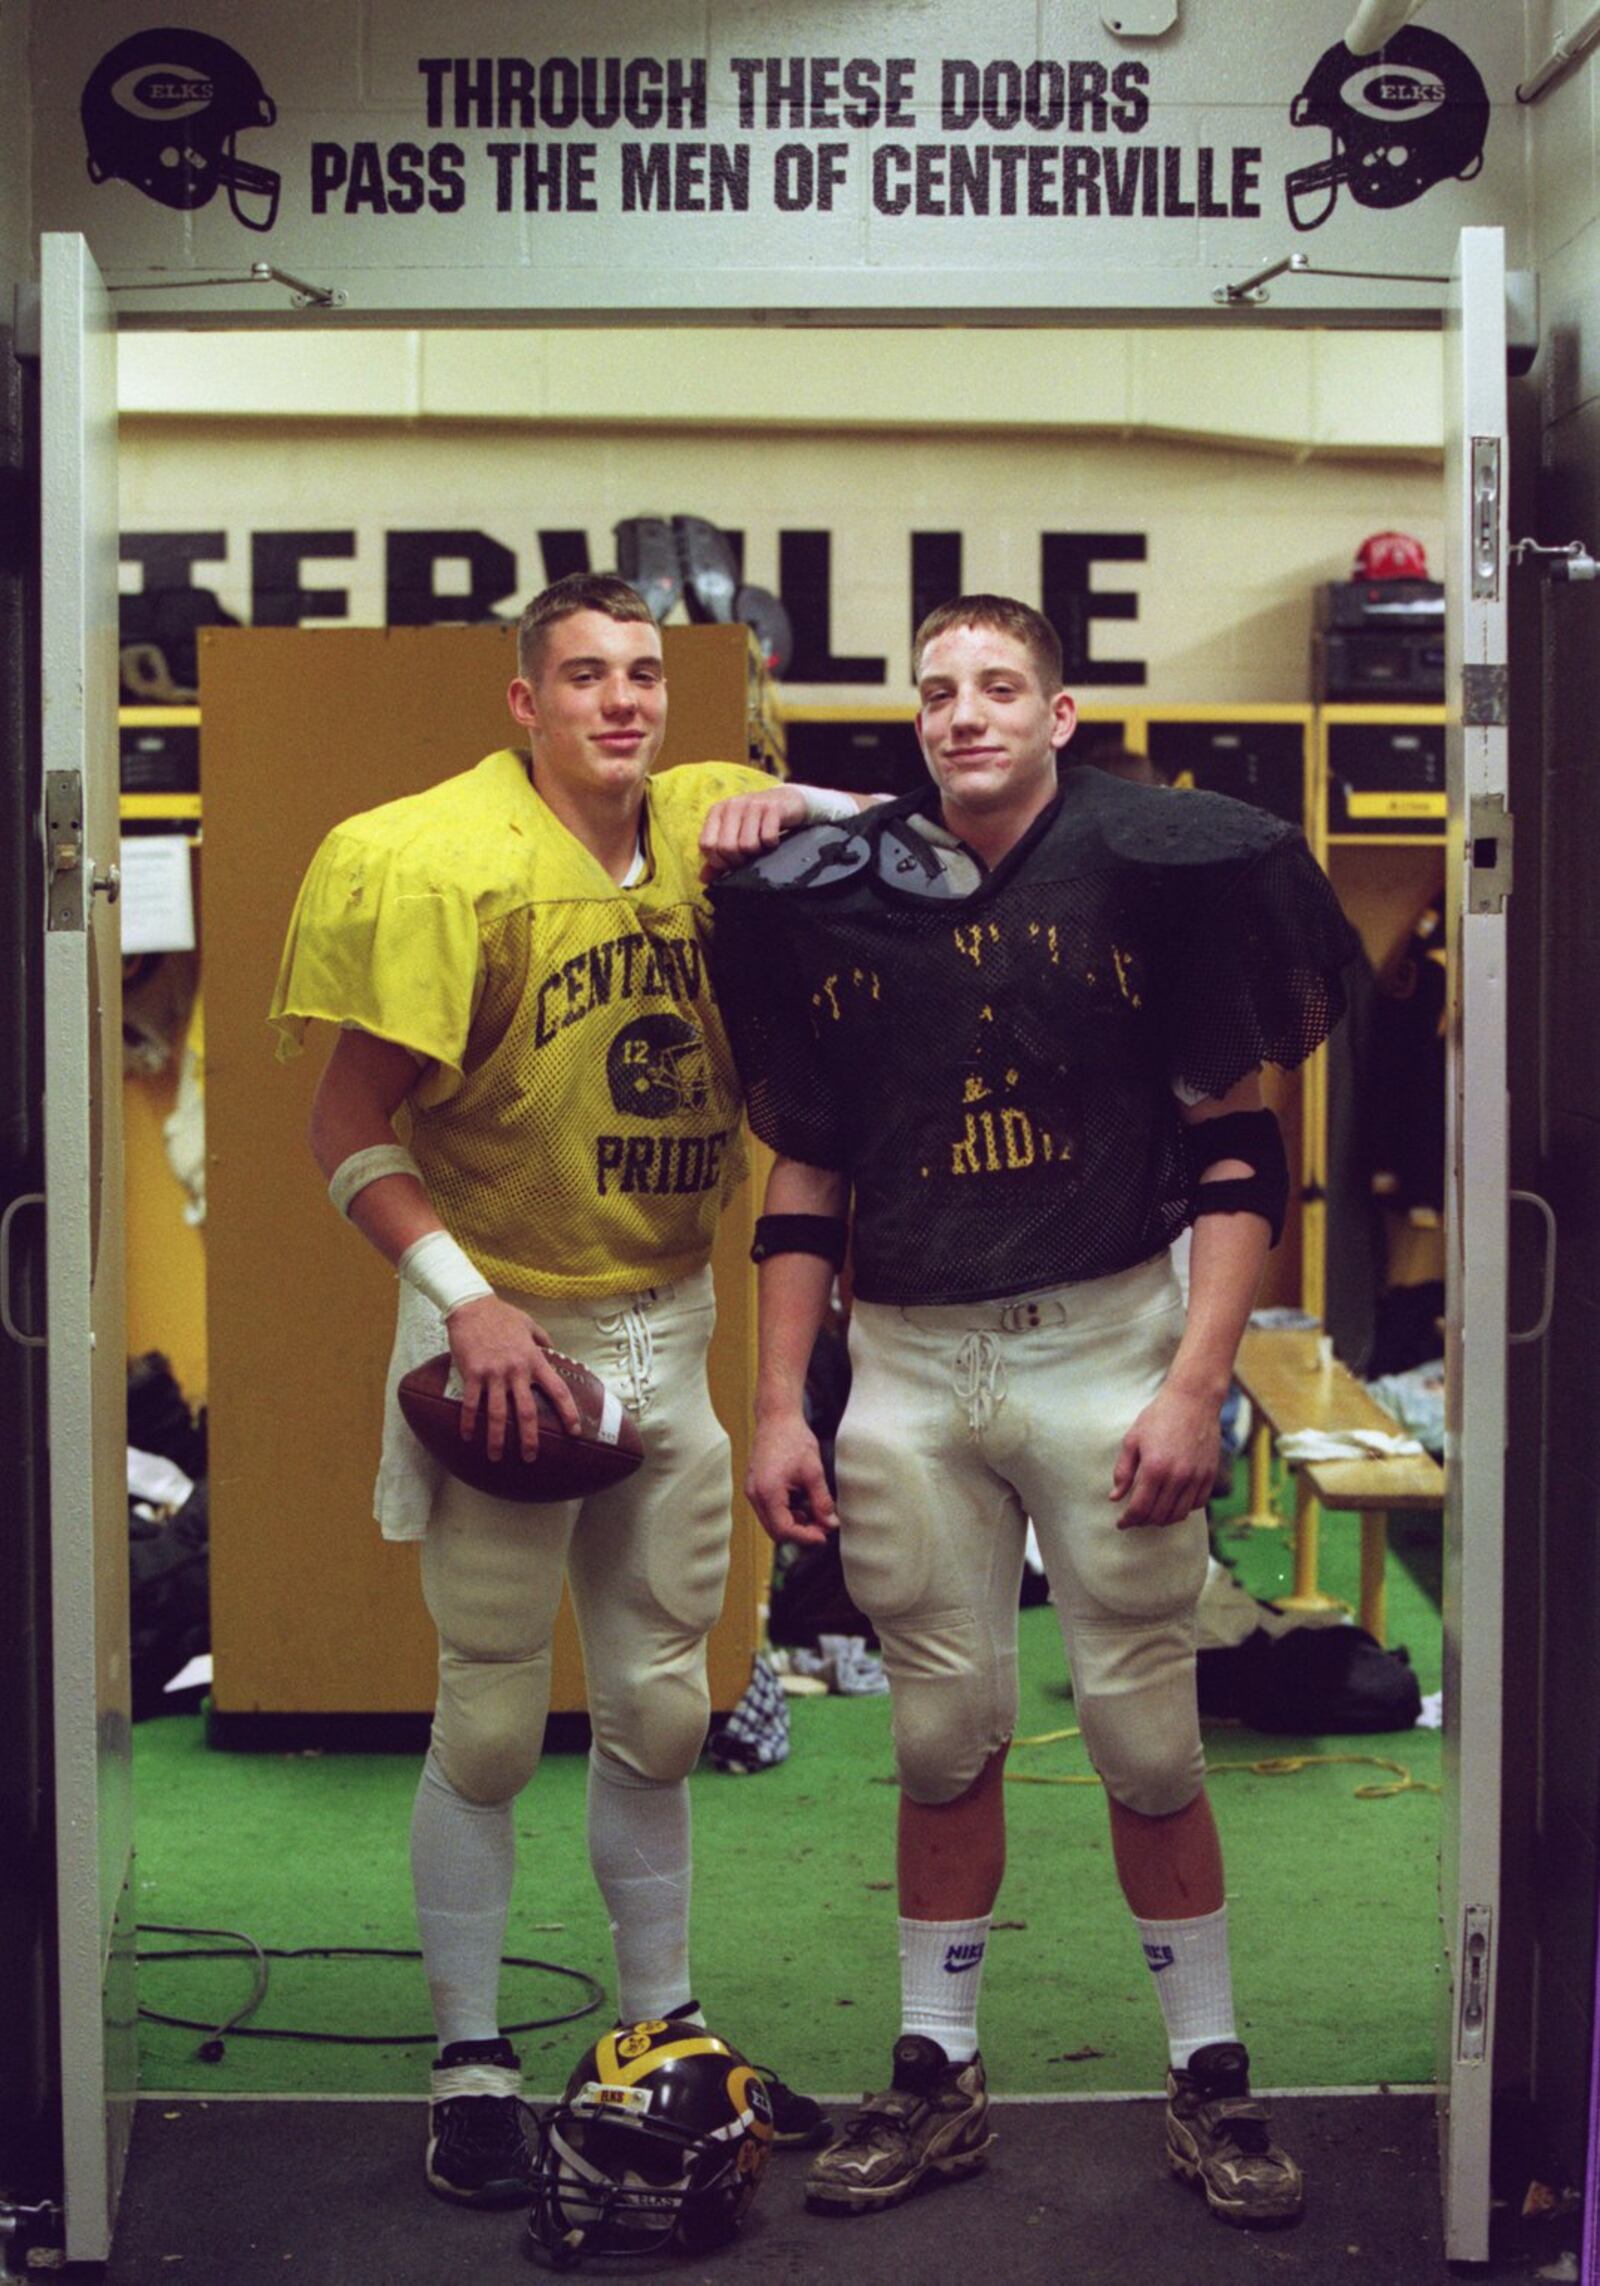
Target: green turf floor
{"type": "Point", "coordinates": [1333, 1905]}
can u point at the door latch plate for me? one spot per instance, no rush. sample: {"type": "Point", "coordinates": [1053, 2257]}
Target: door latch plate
{"type": "Point", "coordinates": [1472, 1984]}
{"type": "Point", "coordinates": [63, 854]}
{"type": "Point", "coordinates": [1489, 854]}
{"type": "Point", "coordinates": [1485, 519]}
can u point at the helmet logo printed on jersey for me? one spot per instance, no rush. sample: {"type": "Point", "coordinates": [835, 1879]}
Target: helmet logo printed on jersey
{"type": "Point", "coordinates": [656, 1066]}
{"type": "Point", "coordinates": [162, 111]}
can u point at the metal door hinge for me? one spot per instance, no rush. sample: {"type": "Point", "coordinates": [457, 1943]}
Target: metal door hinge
{"type": "Point", "coordinates": [1489, 854]}
{"type": "Point", "coordinates": [1472, 1984]}
{"type": "Point", "coordinates": [1485, 518]}
{"type": "Point", "coordinates": [1485, 697]}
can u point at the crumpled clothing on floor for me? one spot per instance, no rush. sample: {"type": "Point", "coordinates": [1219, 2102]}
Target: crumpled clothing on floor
{"type": "Point", "coordinates": [756, 1734]}
{"type": "Point", "coordinates": [844, 1663]}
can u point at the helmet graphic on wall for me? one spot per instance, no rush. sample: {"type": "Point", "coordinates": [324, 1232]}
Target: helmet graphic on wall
{"type": "Point", "coordinates": [659, 2146]}
{"type": "Point", "coordinates": [161, 111]}
{"type": "Point", "coordinates": [1413, 115]}
{"type": "Point", "coordinates": [657, 1066]}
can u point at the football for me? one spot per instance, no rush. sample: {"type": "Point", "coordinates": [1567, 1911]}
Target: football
{"type": "Point", "coordinates": [567, 1466]}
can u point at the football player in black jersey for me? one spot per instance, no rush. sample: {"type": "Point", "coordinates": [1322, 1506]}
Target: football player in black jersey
{"type": "Point", "coordinates": [1012, 1026]}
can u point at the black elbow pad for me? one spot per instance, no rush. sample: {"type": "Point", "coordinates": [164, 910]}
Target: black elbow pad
{"type": "Point", "coordinates": [1257, 1139]}
{"type": "Point", "coordinates": [823, 1234]}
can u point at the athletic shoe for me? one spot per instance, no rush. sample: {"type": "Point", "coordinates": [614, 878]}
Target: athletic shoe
{"type": "Point", "coordinates": [799, 2122]}
{"type": "Point", "coordinates": [1219, 2138]}
{"type": "Point", "coordinates": [930, 2121]}
{"type": "Point", "coordinates": [477, 2152]}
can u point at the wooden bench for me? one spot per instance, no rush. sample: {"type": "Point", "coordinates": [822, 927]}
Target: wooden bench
{"type": "Point", "coordinates": [1293, 1384]}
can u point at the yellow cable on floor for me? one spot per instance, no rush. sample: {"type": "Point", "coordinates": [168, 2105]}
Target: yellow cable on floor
{"type": "Point", "coordinates": [1271, 1766]}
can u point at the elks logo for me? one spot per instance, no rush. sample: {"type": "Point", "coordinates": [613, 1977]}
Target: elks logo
{"type": "Point", "coordinates": [157, 94]}
{"type": "Point", "coordinates": [1399, 122]}
{"type": "Point", "coordinates": [1384, 94]}
{"type": "Point", "coordinates": [161, 110]}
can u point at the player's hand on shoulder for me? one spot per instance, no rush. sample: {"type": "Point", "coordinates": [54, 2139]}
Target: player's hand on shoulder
{"type": "Point", "coordinates": [786, 1484]}
{"type": "Point", "coordinates": [1168, 1461]}
{"type": "Point", "coordinates": [499, 1353]}
{"type": "Point", "coordinates": [743, 826]}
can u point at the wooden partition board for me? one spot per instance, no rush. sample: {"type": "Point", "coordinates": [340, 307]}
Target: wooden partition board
{"type": "Point", "coordinates": [312, 1612]}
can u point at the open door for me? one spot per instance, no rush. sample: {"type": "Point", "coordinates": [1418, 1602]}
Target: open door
{"type": "Point", "coordinates": [1478, 880]}
{"type": "Point", "coordinates": [86, 1366]}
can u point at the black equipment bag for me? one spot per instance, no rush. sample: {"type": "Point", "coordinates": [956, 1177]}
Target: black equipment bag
{"type": "Point", "coordinates": [1311, 1681]}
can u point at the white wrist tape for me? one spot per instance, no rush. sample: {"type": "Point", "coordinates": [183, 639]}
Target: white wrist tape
{"type": "Point", "coordinates": [352, 1175]}
{"type": "Point", "coordinates": [825, 805]}
{"type": "Point", "coordinates": [440, 1271]}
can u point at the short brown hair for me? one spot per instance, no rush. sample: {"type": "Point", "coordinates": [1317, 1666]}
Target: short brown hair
{"type": "Point", "coordinates": [1003, 615]}
{"type": "Point", "coordinates": [579, 591]}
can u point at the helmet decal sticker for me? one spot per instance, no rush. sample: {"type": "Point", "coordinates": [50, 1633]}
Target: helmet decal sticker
{"type": "Point", "coordinates": [657, 1066]}
{"type": "Point", "coordinates": [162, 111]}
{"type": "Point", "coordinates": [1400, 122]}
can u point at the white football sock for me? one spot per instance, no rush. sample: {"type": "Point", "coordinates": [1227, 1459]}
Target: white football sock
{"type": "Point", "coordinates": [1189, 1960]}
{"type": "Point", "coordinates": [639, 1849]}
{"type": "Point", "coordinates": [463, 1856]}
{"type": "Point", "coordinates": [941, 1970]}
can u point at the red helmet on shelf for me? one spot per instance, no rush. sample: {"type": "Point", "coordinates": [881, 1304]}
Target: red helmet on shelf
{"type": "Point", "coordinates": [1390, 555]}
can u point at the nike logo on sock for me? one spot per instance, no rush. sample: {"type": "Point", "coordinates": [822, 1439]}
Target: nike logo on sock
{"type": "Point", "coordinates": [1159, 1957]}
{"type": "Point", "coordinates": [959, 1958]}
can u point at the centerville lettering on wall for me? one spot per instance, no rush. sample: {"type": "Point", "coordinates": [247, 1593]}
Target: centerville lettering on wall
{"type": "Point", "coordinates": [793, 95]}
{"type": "Point", "coordinates": [284, 592]}
{"type": "Point", "coordinates": [903, 155]}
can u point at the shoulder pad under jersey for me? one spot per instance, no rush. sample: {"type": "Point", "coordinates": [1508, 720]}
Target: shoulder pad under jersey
{"type": "Point", "coordinates": [813, 857]}
{"type": "Point", "coordinates": [1160, 825]}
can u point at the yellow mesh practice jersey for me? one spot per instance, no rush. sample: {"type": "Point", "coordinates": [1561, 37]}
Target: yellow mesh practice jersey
{"type": "Point", "coordinates": [578, 1120]}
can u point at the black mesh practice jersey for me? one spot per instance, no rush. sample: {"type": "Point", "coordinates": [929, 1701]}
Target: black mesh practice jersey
{"type": "Point", "coordinates": [995, 1058]}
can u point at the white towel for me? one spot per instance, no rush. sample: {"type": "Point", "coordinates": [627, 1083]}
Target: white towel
{"type": "Point", "coordinates": [1346, 1444]}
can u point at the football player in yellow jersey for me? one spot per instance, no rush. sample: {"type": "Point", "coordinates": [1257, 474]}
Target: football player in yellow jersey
{"type": "Point", "coordinates": [516, 956]}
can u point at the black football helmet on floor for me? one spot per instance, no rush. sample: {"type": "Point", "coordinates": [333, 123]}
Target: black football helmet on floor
{"type": "Point", "coordinates": [658, 2146]}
